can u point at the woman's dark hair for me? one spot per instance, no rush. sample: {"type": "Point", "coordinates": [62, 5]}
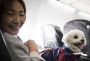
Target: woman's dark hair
{"type": "Point", "coordinates": [23, 4]}
{"type": "Point", "coordinates": [4, 2]}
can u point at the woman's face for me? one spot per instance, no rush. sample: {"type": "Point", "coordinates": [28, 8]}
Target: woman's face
{"type": "Point", "coordinates": [12, 18]}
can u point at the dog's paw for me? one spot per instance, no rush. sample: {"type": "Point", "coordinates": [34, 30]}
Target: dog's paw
{"type": "Point", "coordinates": [80, 53]}
{"type": "Point", "coordinates": [84, 54]}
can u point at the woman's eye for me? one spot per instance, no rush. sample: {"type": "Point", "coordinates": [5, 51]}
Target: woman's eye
{"type": "Point", "coordinates": [21, 15]}
{"type": "Point", "coordinates": [9, 14]}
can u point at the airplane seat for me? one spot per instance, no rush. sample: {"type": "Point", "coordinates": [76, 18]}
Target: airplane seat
{"type": "Point", "coordinates": [83, 25]}
{"type": "Point", "coordinates": [52, 36]}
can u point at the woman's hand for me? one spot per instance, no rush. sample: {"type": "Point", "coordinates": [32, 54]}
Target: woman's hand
{"type": "Point", "coordinates": [32, 46]}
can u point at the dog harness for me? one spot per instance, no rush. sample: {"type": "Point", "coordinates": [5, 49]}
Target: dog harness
{"type": "Point", "coordinates": [59, 54]}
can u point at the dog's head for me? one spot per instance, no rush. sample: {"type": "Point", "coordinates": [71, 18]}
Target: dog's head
{"type": "Point", "coordinates": [75, 40]}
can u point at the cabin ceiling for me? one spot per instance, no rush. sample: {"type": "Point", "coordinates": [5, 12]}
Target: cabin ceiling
{"type": "Point", "coordinates": [82, 5]}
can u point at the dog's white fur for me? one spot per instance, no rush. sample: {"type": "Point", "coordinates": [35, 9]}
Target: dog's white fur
{"type": "Point", "coordinates": [74, 36]}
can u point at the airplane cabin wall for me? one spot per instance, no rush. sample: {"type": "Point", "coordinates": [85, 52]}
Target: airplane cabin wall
{"type": "Point", "coordinates": [41, 12]}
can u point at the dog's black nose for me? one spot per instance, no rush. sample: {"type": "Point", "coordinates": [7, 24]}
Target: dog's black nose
{"type": "Point", "coordinates": [82, 40]}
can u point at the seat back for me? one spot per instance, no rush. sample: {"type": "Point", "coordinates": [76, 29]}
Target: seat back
{"type": "Point", "coordinates": [4, 54]}
{"type": "Point", "coordinates": [52, 36]}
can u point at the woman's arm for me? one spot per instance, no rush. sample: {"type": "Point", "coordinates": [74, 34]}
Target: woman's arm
{"type": "Point", "coordinates": [33, 50]}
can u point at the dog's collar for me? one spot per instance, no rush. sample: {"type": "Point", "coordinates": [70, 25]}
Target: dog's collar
{"type": "Point", "coordinates": [67, 50]}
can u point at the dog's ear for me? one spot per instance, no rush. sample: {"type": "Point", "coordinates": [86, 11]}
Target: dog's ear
{"type": "Point", "coordinates": [65, 38]}
{"type": "Point", "coordinates": [85, 40]}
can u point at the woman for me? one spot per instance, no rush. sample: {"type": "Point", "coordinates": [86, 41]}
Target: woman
{"type": "Point", "coordinates": [12, 17]}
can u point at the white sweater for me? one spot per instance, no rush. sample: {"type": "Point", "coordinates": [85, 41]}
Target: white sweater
{"type": "Point", "coordinates": [18, 51]}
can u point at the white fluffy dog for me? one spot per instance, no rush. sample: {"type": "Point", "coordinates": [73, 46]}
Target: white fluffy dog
{"type": "Point", "coordinates": [75, 40]}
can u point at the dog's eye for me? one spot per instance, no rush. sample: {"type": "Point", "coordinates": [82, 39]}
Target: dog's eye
{"type": "Point", "coordinates": [76, 37]}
